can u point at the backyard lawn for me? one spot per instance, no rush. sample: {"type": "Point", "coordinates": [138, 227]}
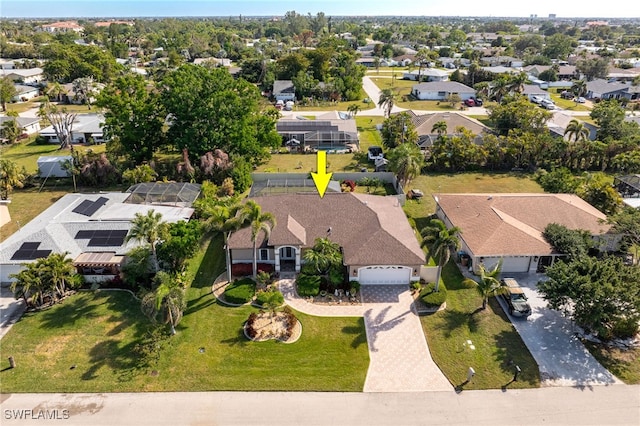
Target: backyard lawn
{"type": "Point", "coordinates": [96, 333]}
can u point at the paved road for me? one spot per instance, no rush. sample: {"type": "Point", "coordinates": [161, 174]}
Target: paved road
{"type": "Point", "coordinates": [601, 405]}
{"type": "Point", "coordinates": [562, 358]}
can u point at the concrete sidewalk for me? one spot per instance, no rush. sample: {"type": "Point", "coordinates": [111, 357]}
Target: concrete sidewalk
{"type": "Point", "coordinates": [601, 405]}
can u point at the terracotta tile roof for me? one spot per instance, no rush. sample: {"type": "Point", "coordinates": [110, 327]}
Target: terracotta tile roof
{"type": "Point", "coordinates": [512, 224]}
{"type": "Point", "coordinates": [370, 229]}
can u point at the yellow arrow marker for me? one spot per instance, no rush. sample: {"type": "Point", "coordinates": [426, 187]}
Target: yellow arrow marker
{"type": "Point", "coordinates": [321, 178]}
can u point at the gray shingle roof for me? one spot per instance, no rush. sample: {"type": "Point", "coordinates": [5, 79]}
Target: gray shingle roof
{"type": "Point", "coordinates": [443, 86]}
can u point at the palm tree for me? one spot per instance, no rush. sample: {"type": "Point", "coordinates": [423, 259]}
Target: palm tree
{"type": "Point", "coordinates": [221, 217]}
{"type": "Point", "coordinates": [259, 223]}
{"type": "Point", "coordinates": [324, 254]}
{"type": "Point", "coordinates": [422, 55]}
{"type": "Point", "coordinates": [483, 89]}
{"type": "Point", "coordinates": [499, 89]}
{"type": "Point", "coordinates": [386, 101]}
{"type": "Point", "coordinates": [56, 90]}
{"type": "Point", "coordinates": [353, 110]}
{"type": "Point", "coordinates": [10, 177]}
{"type": "Point", "coordinates": [577, 130]}
{"type": "Point", "coordinates": [11, 130]}
{"type": "Point", "coordinates": [579, 88]}
{"type": "Point", "coordinates": [148, 228]}
{"type": "Point", "coordinates": [517, 82]}
{"type": "Point", "coordinates": [440, 128]}
{"type": "Point", "coordinates": [166, 300]}
{"type": "Point", "coordinates": [489, 284]}
{"type": "Point", "coordinates": [406, 162]}
{"type": "Point", "coordinates": [59, 269]}
{"type": "Point", "coordinates": [440, 241]}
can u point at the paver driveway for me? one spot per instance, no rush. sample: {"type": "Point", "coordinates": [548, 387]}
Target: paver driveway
{"type": "Point", "coordinates": [399, 356]}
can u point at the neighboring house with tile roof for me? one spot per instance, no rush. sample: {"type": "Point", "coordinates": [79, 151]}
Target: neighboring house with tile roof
{"type": "Point", "coordinates": [424, 126]}
{"type": "Point", "coordinates": [378, 244]}
{"type": "Point", "coordinates": [510, 226]}
{"type": "Point", "coordinates": [90, 227]}
{"type": "Point", "coordinates": [440, 90]}
{"type": "Point", "coordinates": [603, 89]}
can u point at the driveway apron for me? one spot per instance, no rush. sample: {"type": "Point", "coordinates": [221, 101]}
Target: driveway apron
{"type": "Point", "coordinates": [399, 356]}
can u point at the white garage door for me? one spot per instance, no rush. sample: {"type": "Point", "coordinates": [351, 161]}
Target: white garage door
{"type": "Point", "coordinates": [516, 264]}
{"type": "Point", "coordinates": [384, 275]}
{"type": "Point", "coordinates": [6, 270]}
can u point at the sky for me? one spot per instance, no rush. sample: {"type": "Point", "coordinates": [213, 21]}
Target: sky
{"type": "Point", "coordinates": [144, 8]}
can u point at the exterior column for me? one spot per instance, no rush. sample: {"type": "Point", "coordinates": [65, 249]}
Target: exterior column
{"type": "Point", "coordinates": [276, 252]}
{"type": "Point", "coordinates": [298, 250]}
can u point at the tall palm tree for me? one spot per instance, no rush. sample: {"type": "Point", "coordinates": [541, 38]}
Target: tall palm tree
{"type": "Point", "coordinates": [148, 228]}
{"type": "Point", "coordinates": [579, 88]}
{"type": "Point", "coordinates": [167, 300]}
{"type": "Point", "coordinates": [55, 90]}
{"type": "Point", "coordinates": [483, 89]}
{"type": "Point", "coordinates": [499, 88]}
{"type": "Point", "coordinates": [406, 162]}
{"type": "Point", "coordinates": [440, 241]}
{"type": "Point", "coordinates": [489, 284]}
{"type": "Point", "coordinates": [260, 223]}
{"type": "Point", "coordinates": [386, 101]}
{"type": "Point", "coordinates": [421, 57]}
{"type": "Point", "coordinates": [577, 130]}
{"type": "Point", "coordinates": [440, 128]}
{"type": "Point", "coordinates": [10, 177]}
{"type": "Point", "coordinates": [221, 217]}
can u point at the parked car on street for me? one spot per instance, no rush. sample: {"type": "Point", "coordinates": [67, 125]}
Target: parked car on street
{"type": "Point", "coordinates": [547, 104]}
{"type": "Point", "coordinates": [515, 299]}
{"type": "Point", "coordinates": [565, 94]}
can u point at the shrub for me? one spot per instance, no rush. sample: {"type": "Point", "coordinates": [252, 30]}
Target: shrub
{"type": "Point", "coordinates": [240, 291]}
{"type": "Point", "coordinates": [354, 287]}
{"type": "Point", "coordinates": [349, 184]}
{"type": "Point", "coordinates": [308, 285]}
{"type": "Point", "coordinates": [270, 296]}
{"type": "Point", "coordinates": [251, 331]}
{"type": "Point", "coordinates": [431, 298]}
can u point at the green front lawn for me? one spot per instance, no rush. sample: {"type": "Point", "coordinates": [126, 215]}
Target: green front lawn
{"type": "Point", "coordinates": [497, 346]}
{"type": "Point", "coordinates": [625, 365]}
{"type": "Point", "coordinates": [98, 331]}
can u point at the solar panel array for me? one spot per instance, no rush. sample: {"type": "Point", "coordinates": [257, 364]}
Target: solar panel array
{"type": "Point", "coordinates": [88, 207]}
{"type": "Point", "coordinates": [29, 251]}
{"type": "Point", "coordinates": [103, 238]}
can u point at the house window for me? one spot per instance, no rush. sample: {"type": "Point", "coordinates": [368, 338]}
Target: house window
{"type": "Point", "coordinates": [442, 94]}
{"type": "Point", "coordinates": [264, 254]}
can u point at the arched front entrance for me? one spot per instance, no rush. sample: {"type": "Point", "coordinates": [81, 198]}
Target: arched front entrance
{"type": "Point", "coordinates": [287, 259]}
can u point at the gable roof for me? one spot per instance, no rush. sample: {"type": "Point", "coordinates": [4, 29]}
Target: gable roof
{"type": "Point", "coordinates": [443, 86]}
{"type": "Point", "coordinates": [370, 229]}
{"type": "Point", "coordinates": [533, 89]}
{"type": "Point", "coordinates": [512, 224]}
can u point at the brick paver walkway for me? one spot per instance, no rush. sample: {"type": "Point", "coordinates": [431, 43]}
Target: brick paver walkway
{"type": "Point", "coordinates": [399, 356]}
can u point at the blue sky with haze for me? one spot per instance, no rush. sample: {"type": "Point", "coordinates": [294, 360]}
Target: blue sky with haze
{"type": "Point", "coordinates": [135, 8]}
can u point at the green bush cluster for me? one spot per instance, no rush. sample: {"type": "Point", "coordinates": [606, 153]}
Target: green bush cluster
{"type": "Point", "coordinates": [270, 296]}
{"type": "Point", "coordinates": [432, 298]}
{"type": "Point", "coordinates": [240, 291]}
{"type": "Point", "coordinates": [308, 285]}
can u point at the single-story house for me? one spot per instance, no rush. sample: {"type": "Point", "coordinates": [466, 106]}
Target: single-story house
{"type": "Point", "coordinates": [25, 93]}
{"type": "Point", "coordinates": [622, 75]}
{"type": "Point", "coordinates": [427, 74]}
{"type": "Point", "coordinates": [92, 228]}
{"type": "Point", "coordinates": [216, 62]}
{"type": "Point", "coordinates": [424, 126]}
{"type": "Point", "coordinates": [284, 90]}
{"type": "Point", "coordinates": [404, 60]}
{"type": "Point", "coordinates": [28, 125]}
{"type": "Point", "coordinates": [378, 244]}
{"type": "Point", "coordinates": [329, 131]}
{"type": "Point", "coordinates": [509, 227]}
{"type": "Point", "coordinates": [603, 89]}
{"type": "Point", "coordinates": [565, 72]}
{"type": "Point", "coordinates": [84, 127]}
{"type": "Point", "coordinates": [531, 90]}
{"type": "Point", "coordinates": [25, 76]}
{"type": "Point", "coordinates": [499, 69]}
{"type": "Point", "coordinates": [440, 90]}
{"type": "Point", "coordinates": [559, 122]}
